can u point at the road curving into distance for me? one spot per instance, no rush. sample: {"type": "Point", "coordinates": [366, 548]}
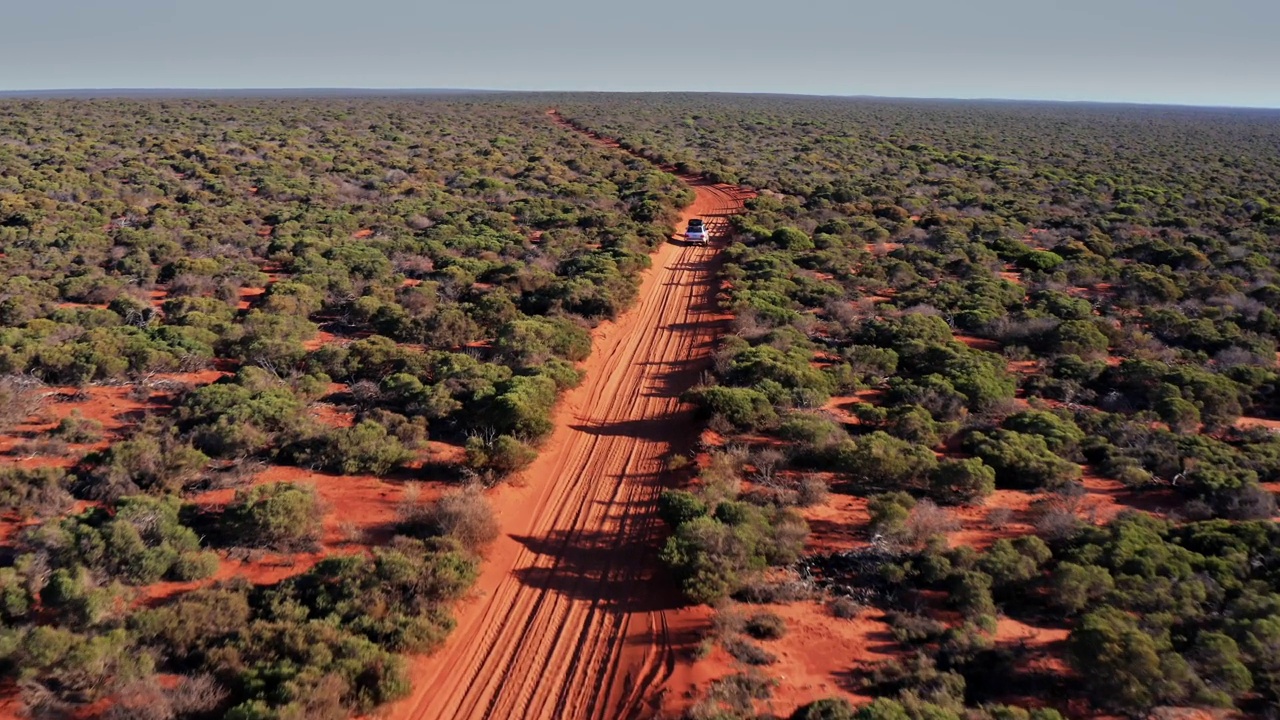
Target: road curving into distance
{"type": "Point", "coordinates": [569, 622]}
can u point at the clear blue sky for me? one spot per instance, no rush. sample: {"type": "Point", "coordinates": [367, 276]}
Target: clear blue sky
{"type": "Point", "coordinates": [1218, 52]}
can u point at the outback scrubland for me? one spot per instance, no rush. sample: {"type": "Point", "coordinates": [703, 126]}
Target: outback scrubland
{"type": "Point", "coordinates": [258, 359]}
{"type": "Point", "coordinates": [966, 413]}
{"type": "Point", "coordinates": [991, 434]}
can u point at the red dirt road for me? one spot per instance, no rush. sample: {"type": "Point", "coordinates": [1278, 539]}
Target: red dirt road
{"type": "Point", "coordinates": [570, 621]}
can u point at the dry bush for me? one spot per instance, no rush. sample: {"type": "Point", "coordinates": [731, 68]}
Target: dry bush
{"type": "Point", "coordinates": [141, 700]}
{"type": "Point", "coordinates": [1057, 523]}
{"type": "Point", "coordinates": [727, 621]}
{"type": "Point", "coordinates": [778, 496]}
{"type": "Point", "coordinates": [767, 461]}
{"type": "Point", "coordinates": [234, 475]}
{"type": "Point", "coordinates": [748, 325]}
{"type": "Point", "coordinates": [365, 395]}
{"type": "Point", "coordinates": [1057, 516]}
{"type": "Point", "coordinates": [35, 491]}
{"type": "Point", "coordinates": [745, 651]}
{"type": "Point", "coordinates": [766, 626]}
{"type": "Point", "coordinates": [465, 515]}
{"type": "Point", "coordinates": [20, 398]}
{"type": "Point", "coordinates": [926, 520]}
{"type": "Point", "coordinates": [720, 425]}
{"type": "Point", "coordinates": [994, 414]}
{"type": "Point", "coordinates": [243, 473]}
{"type": "Point", "coordinates": [845, 608]}
{"type": "Point", "coordinates": [914, 628]}
{"type": "Point", "coordinates": [761, 591]}
{"type": "Point", "coordinates": [738, 691]}
{"type": "Point", "coordinates": [1249, 502]}
{"type": "Point", "coordinates": [847, 316]}
{"type": "Point", "coordinates": [42, 447]}
{"type": "Point", "coordinates": [704, 710]}
{"type": "Point", "coordinates": [999, 518]}
{"type": "Point", "coordinates": [790, 531]}
{"type": "Point", "coordinates": [188, 285]}
{"type": "Point", "coordinates": [350, 533]}
{"type": "Point", "coordinates": [1193, 511]}
{"type": "Point", "coordinates": [810, 491]}
{"type": "Point", "coordinates": [722, 476]}
{"type": "Point", "coordinates": [326, 701]}
{"type": "Point", "coordinates": [40, 701]}
{"type": "Point", "coordinates": [732, 697]}
{"type": "Point", "coordinates": [75, 428]}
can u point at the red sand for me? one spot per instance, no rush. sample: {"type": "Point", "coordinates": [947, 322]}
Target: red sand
{"type": "Point", "coordinates": [250, 296]}
{"type": "Point", "coordinates": [321, 339]}
{"type": "Point", "coordinates": [110, 405]}
{"type": "Point", "coordinates": [1256, 422]}
{"type": "Point", "coordinates": [817, 650]}
{"type": "Point", "coordinates": [838, 524]}
{"type": "Point", "coordinates": [978, 343]}
{"type": "Point", "coordinates": [840, 407]}
{"type": "Point", "coordinates": [360, 511]}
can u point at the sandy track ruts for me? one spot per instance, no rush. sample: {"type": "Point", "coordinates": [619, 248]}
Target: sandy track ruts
{"type": "Point", "coordinates": [570, 622]}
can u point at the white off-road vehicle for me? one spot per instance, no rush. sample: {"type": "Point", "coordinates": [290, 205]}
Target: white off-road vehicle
{"type": "Point", "coordinates": [696, 232]}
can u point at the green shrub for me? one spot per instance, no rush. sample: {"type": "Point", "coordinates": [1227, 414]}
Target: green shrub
{"type": "Point", "coordinates": [76, 428]}
{"type": "Point", "coordinates": [34, 492]}
{"type": "Point", "coordinates": [1075, 587]}
{"type": "Point", "coordinates": [279, 515]}
{"type": "Point", "coordinates": [1182, 416]}
{"type": "Point", "coordinates": [242, 417]}
{"type": "Point", "coordinates": [141, 540]}
{"type": "Point", "coordinates": [1060, 434]}
{"type": "Point", "coordinates": [827, 709]}
{"type": "Point", "coordinates": [1022, 461]}
{"type": "Point", "coordinates": [76, 663]}
{"type": "Point", "coordinates": [1079, 337]}
{"type": "Point", "coordinates": [964, 482]}
{"type": "Point", "coordinates": [889, 512]}
{"type": "Point", "coordinates": [789, 238]}
{"type": "Point", "coordinates": [714, 556]}
{"type": "Point", "coordinates": [883, 461]}
{"type": "Point", "coordinates": [744, 408]}
{"type": "Point", "coordinates": [913, 424]}
{"type": "Point", "coordinates": [522, 407]}
{"type": "Point", "coordinates": [151, 462]}
{"type": "Point", "coordinates": [1124, 667]}
{"type": "Point", "coordinates": [195, 566]}
{"type": "Point", "coordinates": [677, 507]}
{"type": "Point", "coordinates": [365, 448]}
{"type": "Point", "coordinates": [360, 674]}
{"type": "Point", "coordinates": [812, 430]}
{"type": "Point", "coordinates": [1012, 563]}
{"type": "Point", "coordinates": [503, 456]}
{"type": "Point", "coordinates": [530, 342]}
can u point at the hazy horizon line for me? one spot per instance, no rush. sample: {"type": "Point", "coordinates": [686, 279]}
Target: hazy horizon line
{"type": "Point", "coordinates": [285, 91]}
